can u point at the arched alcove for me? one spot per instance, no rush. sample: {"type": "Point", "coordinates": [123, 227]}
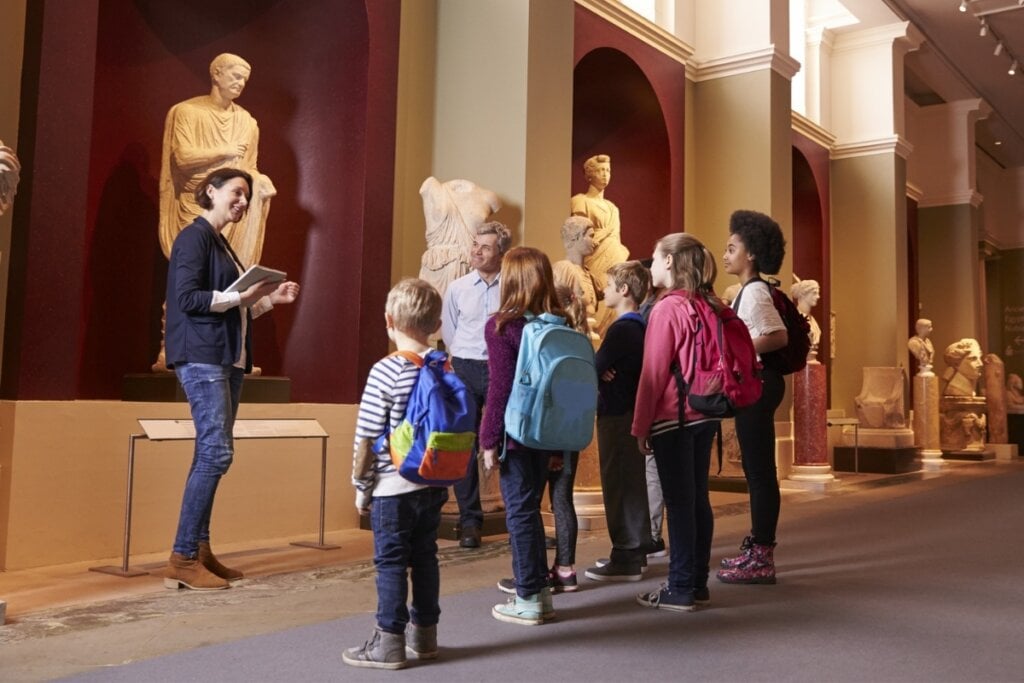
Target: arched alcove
{"type": "Point", "coordinates": [616, 112]}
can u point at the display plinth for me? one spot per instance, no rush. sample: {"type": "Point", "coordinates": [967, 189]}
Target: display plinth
{"type": "Point", "coordinates": [163, 387]}
{"type": "Point", "coordinates": [970, 455]}
{"type": "Point", "coordinates": [875, 460]}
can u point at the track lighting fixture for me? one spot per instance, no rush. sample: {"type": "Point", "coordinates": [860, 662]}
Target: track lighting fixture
{"type": "Point", "coordinates": [999, 48]}
{"type": "Point", "coordinates": [963, 5]}
{"type": "Point", "coordinates": [1013, 68]}
{"type": "Point", "coordinates": [984, 29]}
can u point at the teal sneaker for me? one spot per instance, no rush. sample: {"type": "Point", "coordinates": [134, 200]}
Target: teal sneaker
{"type": "Point", "coordinates": [527, 611]}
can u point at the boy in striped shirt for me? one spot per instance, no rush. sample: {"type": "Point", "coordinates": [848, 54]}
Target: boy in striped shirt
{"type": "Point", "coordinates": [404, 516]}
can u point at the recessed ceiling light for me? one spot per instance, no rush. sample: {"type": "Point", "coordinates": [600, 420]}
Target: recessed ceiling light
{"type": "Point", "coordinates": [998, 142]}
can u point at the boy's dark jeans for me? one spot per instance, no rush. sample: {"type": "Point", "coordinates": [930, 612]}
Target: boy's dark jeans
{"type": "Point", "coordinates": [405, 537]}
{"type": "Point", "coordinates": [624, 489]}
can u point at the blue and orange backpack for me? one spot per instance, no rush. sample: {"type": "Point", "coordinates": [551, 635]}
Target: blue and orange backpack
{"type": "Point", "coordinates": [433, 444]}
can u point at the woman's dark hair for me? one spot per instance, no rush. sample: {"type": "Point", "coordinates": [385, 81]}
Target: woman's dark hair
{"type": "Point", "coordinates": [762, 238]}
{"type": "Point", "coordinates": [217, 179]}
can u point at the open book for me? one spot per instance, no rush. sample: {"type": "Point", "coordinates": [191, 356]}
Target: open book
{"type": "Point", "coordinates": [253, 275]}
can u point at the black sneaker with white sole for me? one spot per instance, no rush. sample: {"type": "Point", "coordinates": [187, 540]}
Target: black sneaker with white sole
{"type": "Point", "coordinates": [615, 572]}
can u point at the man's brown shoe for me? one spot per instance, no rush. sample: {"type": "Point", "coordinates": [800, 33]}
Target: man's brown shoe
{"type": "Point", "coordinates": [211, 562]}
{"type": "Point", "coordinates": [185, 573]}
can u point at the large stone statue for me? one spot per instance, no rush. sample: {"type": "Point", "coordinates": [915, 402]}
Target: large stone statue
{"type": "Point", "coordinates": [805, 294]}
{"type": "Point", "coordinates": [963, 361]}
{"type": "Point", "coordinates": [201, 135]}
{"type": "Point", "coordinates": [608, 249]}
{"type": "Point", "coordinates": [453, 211]}
{"type": "Point", "coordinates": [572, 273]}
{"type": "Point", "coordinates": [880, 401]}
{"type": "Point", "coordinates": [994, 373]}
{"type": "Point", "coordinates": [10, 173]}
{"type": "Point", "coordinates": [921, 346]}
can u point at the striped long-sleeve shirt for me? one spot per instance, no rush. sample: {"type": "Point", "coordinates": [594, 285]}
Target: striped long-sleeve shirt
{"type": "Point", "coordinates": [381, 409]}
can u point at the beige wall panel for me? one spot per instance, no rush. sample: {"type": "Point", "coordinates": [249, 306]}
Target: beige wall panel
{"type": "Point", "coordinates": [414, 134]}
{"type": "Point", "coordinates": [67, 480]}
{"type": "Point", "coordinates": [869, 274]}
{"type": "Point", "coordinates": [948, 272]}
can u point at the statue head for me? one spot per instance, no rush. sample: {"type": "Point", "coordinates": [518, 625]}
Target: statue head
{"type": "Point", "coordinates": [229, 73]}
{"type": "Point", "coordinates": [578, 236]}
{"type": "Point", "coordinates": [964, 358]}
{"type": "Point", "coordinates": [806, 294]}
{"type": "Point", "coordinates": [923, 327]}
{"type": "Point", "coordinates": [598, 170]}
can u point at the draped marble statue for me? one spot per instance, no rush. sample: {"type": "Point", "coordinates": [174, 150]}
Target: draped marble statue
{"type": "Point", "coordinates": [10, 174]}
{"type": "Point", "coordinates": [572, 273]}
{"type": "Point", "coordinates": [201, 135]}
{"type": "Point", "coordinates": [453, 211]}
{"type": "Point", "coordinates": [608, 249]}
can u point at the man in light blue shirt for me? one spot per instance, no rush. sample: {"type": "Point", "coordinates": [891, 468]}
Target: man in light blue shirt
{"type": "Point", "coordinates": [468, 303]}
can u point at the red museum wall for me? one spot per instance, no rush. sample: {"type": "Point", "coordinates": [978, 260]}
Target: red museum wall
{"type": "Point", "coordinates": [87, 274]}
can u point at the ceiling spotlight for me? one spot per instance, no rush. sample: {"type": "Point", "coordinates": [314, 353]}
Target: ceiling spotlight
{"type": "Point", "coordinates": [999, 48]}
{"type": "Point", "coordinates": [998, 142]}
{"type": "Point", "coordinates": [1013, 68]}
{"type": "Point", "coordinates": [963, 5]}
{"type": "Point", "coordinates": [984, 29]}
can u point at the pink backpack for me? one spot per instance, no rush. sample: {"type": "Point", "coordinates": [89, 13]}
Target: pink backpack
{"type": "Point", "coordinates": [724, 375]}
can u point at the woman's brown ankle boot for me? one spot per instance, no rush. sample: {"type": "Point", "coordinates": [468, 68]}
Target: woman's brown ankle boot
{"type": "Point", "coordinates": [183, 572]}
{"type": "Point", "coordinates": [211, 562]}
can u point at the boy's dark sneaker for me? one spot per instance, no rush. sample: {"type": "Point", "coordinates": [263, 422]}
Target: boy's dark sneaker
{"type": "Point", "coordinates": [656, 549]}
{"type": "Point", "coordinates": [663, 598]}
{"type": "Point", "coordinates": [615, 572]}
{"type": "Point", "coordinates": [507, 586]}
{"type": "Point", "coordinates": [701, 596]}
{"type": "Point", "coordinates": [603, 561]}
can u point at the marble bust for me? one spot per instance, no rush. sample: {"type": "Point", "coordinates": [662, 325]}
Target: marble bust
{"type": "Point", "coordinates": [608, 247]}
{"type": "Point", "coordinates": [572, 273]}
{"type": "Point", "coordinates": [1014, 394]}
{"type": "Point", "coordinates": [453, 211]}
{"type": "Point", "coordinates": [806, 294]}
{"type": "Point", "coordinates": [964, 364]}
{"type": "Point", "coordinates": [10, 173]}
{"type": "Point", "coordinates": [921, 346]}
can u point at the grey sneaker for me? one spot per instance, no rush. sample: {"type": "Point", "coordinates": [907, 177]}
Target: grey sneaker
{"type": "Point", "coordinates": [382, 651]}
{"type": "Point", "coordinates": [615, 572]}
{"type": "Point", "coordinates": [663, 598]}
{"type": "Point", "coordinates": [421, 641]}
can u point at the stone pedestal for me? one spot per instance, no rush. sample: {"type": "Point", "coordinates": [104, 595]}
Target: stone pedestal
{"type": "Point", "coordinates": [962, 425]}
{"type": "Point", "coordinates": [587, 496]}
{"type": "Point", "coordinates": [811, 469]}
{"type": "Point", "coordinates": [926, 419]}
{"type": "Point", "coordinates": [875, 460]}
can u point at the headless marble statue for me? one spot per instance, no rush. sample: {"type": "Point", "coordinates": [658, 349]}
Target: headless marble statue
{"type": "Point", "coordinates": [453, 211]}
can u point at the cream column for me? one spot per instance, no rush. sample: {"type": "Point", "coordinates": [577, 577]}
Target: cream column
{"type": "Point", "coordinates": [741, 138]}
{"type": "Point", "coordinates": [869, 227]}
{"type": "Point", "coordinates": [503, 108]}
{"type": "Point", "coordinates": [943, 168]}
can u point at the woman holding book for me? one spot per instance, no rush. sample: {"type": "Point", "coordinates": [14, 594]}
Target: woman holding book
{"type": "Point", "coordinates": [209, 348]}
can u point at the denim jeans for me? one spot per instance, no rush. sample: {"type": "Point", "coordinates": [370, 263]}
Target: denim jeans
{"type": "Point", "coordinates": [405, 539]}
{"type": "Point", "coordinates": [624, 489]}
{"type": "Point", "coordinates": [473, 374]}
{"type": "Point", "coordinates": [755, 431]}
{"type": "Point", "coordinates": [213, 393]}
{"type": "Point", "coordinates": [523, 474]}
{"type": "Point", "coordinates": [683, 457]}
{"type": "Point", "coordinates": [560, 483]}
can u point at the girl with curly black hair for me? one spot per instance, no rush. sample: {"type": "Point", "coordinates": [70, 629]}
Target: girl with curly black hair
{"type": "Point", "coordinates": [756, 246]}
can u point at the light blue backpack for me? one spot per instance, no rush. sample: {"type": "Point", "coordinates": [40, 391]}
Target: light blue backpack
{"type": "Point", "coordinates": [553, 402]}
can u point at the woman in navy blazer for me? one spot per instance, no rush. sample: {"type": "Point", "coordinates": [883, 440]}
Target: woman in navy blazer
{"type": "Point", "coordinates": [209, 348]}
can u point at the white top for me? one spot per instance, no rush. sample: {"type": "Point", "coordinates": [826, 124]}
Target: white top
{"type": "Point", "coordinates": [757, 310]}
{"type": "Point", "coordinates": [468, 303]}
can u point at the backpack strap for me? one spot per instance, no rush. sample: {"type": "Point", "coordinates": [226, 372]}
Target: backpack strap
{"type": "Point", "coordinates": [418, 360]}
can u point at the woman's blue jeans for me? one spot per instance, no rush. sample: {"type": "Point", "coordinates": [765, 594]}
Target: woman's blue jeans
{"type": "Point", "coordinates": [213, 393]}
{"type": "Point", "coordinates": [523, 473]}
